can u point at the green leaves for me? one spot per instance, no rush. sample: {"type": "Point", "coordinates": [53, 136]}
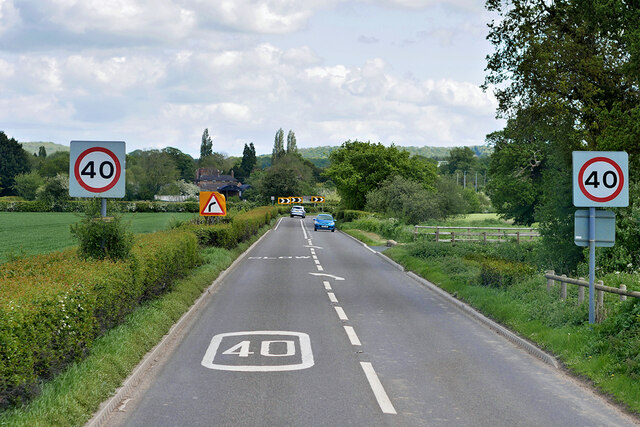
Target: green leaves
{"type": "Point", "coordinates": [359, 167]}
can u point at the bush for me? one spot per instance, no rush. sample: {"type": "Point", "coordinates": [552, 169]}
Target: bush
{"type": "Point", "coordinates": [501, 273]}
{"type": "Point", "coordinates": [101, 238]}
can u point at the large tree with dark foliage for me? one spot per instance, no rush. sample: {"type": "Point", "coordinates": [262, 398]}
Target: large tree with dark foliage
{"type": "Point", "coordinates": [567, 77]}
{"type": "Point", "coordinates": [13, 161]}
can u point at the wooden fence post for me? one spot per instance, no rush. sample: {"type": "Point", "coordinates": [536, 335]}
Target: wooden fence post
{"type": "Point", "coordinates": [550, 281]}
{"type": "Point", "coordinates": [415, 231]}
{"type": "Point", "coordinates": [518, 236]}
{"type": "Point", "coordinates": [623, 288]}
{"type": "Point", "coordinates": [453, 237]}
{"type": "Point", "coordinates": [600, 304]}
{"type": "Point", "coordinates": [484, 234]}
{"type": "Point", "coordinates": [437, 234]}
{"type": "Point", "coordinates": [581, 292]}
{"type": "Point", "coordinates": [563, 288]}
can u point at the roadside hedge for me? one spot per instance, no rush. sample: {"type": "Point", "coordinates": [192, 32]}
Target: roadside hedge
{"type": "Point", "coordinates": [243, 226]}
{"type": "Point", "coordinates": [81, 205]}
{"type": "Point", "coordinates": [52, 307]}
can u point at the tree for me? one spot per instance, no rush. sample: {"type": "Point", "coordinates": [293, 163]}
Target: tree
{"type": "Point", "coordinates": [291, 143]}
{"type": "Point", "coordinates": [42, 152]}
{"type": "Point", "coordinates": [402, 198]}
{"type": "Point", "coordinates": [184, 163]}
{"type": "Point", "coordinates": [206, 147]}
{"type": "Point", "coordinates": [461, 159]}
{"type": "Point", "coordinates": [50, 166]}
{"type": "Point", "coordinates": [278, 147]}
{"type": "Point", "coordinates": [359, 167]}
{"type": "Point", "coordinates": [566, 76]}
{"type": "Point", "coordinates": [147, 172]}
{"type": "Point", "coordinates": [248, 162]}
{"type": "Point", "coordinates": [291, 176]}
{"type": "Point", "coordinates": [27, 184]}
{"type": "Point", "coordinates": [13, 161]}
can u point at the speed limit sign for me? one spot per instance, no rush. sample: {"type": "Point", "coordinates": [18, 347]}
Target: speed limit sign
{"type": "Point", "coordinates": [600, 178]}
{"type": "Point", "coordinates": [97, 169]}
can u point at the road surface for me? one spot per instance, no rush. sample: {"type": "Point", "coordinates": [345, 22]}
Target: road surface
{"type": "Point", "coordinates": [315, 329]}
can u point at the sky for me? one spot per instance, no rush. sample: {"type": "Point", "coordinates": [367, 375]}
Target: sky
{"type": "Point", "coordinates": [156, 73]}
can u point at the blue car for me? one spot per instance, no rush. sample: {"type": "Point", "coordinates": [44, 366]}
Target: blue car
{"type": "Point", "coordinates": [324, 222]}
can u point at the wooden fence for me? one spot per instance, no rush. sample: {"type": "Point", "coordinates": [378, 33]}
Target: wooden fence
{"type": "Point", "coordinates": [476, 234]}
{"type": "Point", "coordinates": [552, 278]}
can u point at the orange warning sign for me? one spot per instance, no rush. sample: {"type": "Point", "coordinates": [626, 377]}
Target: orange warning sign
{"type": "Point", "coordinates": [212, 203]}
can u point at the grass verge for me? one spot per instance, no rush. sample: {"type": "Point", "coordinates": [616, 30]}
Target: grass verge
{"type": "Point", "coordinates": [72, 397]}
{"type": "Point", "coordinates": [597, 353]}
{"type": "Point", "coordinates": [367, 237]}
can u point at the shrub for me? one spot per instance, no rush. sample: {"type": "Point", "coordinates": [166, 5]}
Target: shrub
{"type": "Point", "coordinates": [502, 273]}
{"type": "Point", "coordinates": [100, 238]}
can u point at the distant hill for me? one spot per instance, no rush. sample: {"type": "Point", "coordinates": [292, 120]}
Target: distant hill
{"type": "Point", "coordinates": [51, 147]}
{"type": "Point", "coordinates": [438, 153]}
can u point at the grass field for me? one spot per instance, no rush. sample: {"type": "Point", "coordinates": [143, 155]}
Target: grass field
{"type": "Point", "coordinates": [41, 232]}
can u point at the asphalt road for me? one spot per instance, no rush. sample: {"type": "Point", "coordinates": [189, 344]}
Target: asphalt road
{"type": "Point", "coordinates": [313, 328]}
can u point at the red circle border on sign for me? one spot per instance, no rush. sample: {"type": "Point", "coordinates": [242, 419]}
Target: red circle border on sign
{"type": "Point", "coordinates": [620, 181]}
{"type": "Point", "coordinates": [76, 170]}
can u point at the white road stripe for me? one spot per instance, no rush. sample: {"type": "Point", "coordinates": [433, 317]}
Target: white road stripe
{"type": "Point", "coordinates": [303, 229]}
{"type": "Point", "coordinates": [320, 268]}
{"type": "Point", "coordinates": [351, 333]}
{"type": "Point", "coordinates": [314, 256]}
{"type": "Point", "coordinates": [327, 285]}
{"type": "Point", "coordinates": [278, 224]}
{"type": "Point", "coordinates": [381, 396]}
{"type": "Point", "coordinates": [332, 297]}
{"type": "Point", "coordinates": [341, 314]}
{"type": "Point", "coordinates": [368, 248]}
{"type": "Point", "coordinates": [316, 261]}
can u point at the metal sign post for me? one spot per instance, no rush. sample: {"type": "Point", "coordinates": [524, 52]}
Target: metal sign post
{"type": "Point", "coordinates": [600, 179]}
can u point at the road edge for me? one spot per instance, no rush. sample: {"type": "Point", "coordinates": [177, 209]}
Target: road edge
{"type": "Point", "coordinates": [517, 340]}
{"type": "Point", "coordinates": [105, 411]}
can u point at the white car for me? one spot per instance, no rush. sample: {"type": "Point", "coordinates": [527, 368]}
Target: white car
{"type": "Point", "coordinates": [298, 211]}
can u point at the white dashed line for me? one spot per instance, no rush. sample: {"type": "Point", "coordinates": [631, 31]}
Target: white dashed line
{"type": "Point", "coordinates": [314, 256]}
{"type": "Point", "coordinates": [316, 261]}
{"type": "Point", "coordinates": [320, 268]}
{"type": "Point", "coordinates": [332, 297]}
{"type": "Point", "coordinates": [381, 396]}
{"type": "Point", "coordinates": [327, 285]}
{"type": "Point", "coordinates": [341, 314]}
{"type": "Point", "coordinates": [351, 333]}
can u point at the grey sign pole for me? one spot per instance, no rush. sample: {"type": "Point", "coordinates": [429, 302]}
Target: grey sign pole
{"type": "Point", "coordinates": [592, 264]}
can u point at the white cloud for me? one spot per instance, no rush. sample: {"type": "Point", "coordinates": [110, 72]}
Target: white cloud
{"type": "Point", "coordinates": [181, 69]}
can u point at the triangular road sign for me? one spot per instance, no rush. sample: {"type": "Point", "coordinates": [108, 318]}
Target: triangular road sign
{"type": "Point", "coordinates": [212, 203]}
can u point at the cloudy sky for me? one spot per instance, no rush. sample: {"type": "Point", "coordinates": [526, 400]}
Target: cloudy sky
{"type": "Point", "coordinates": [156, 73]}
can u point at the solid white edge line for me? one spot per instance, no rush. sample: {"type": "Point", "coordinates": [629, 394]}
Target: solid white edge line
{"type": "Point", "coordinates": [303, 230]}
{"type": "Point", "coordinates": [368, 248]}
{"type": "Point", "coordinates": [332, 297]}
{"type": "Point", "coordinates": [341, 314]}
{"type": "Point", "coordinates": [278, 224]}
{"type": "Point", "coordinates": [381, 396]}
{"type": "Point", "coordinates": [351, 333]}
{"type": "Point", "coordinates": [327, 285]}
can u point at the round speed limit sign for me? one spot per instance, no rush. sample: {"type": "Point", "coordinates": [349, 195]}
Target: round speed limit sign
{"type": "Point", "coordinates": [600, 179]}
{"type": "Point", "coordinates": [97, 169]}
